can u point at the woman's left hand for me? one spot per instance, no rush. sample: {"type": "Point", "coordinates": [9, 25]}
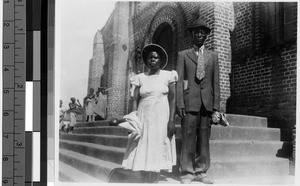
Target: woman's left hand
{"type": "Point", "coordinates": [171, 129]}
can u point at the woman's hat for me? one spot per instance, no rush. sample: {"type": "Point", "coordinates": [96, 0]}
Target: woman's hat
{"type": "Point", "coordinates": [199, 23]}
{"type": "Point", "coordinates": [155, 48]}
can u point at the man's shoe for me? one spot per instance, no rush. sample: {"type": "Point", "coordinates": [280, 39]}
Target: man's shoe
{"type": "Point", "coordinates": [203, 178]}
{"type": "Point", "coordinates": [186, 181]}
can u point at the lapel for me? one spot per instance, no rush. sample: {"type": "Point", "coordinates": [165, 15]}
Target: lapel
{"type": "Point", "coordinates": [192, 55]}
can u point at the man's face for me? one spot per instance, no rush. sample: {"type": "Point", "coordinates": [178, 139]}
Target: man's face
{"type": "Point", "coordinates": [199, 35]}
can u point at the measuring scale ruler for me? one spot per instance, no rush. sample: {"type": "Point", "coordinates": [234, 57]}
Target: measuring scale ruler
{"type": "Point", "coordinates": [14, 78]}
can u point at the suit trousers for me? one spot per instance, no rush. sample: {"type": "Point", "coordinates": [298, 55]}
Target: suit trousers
{"type": "Point", "coordinates": [195, 152]}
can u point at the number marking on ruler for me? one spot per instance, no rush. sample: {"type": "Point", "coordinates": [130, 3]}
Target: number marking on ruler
{"type": "Point", "coordinates": [14, 78]}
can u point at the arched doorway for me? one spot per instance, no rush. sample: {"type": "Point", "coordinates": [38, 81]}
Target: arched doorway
{"type": "Point", "coordinates": [163, 36]}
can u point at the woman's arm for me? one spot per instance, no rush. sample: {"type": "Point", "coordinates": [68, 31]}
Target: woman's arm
{"type": "Point", "coordinates": [79, 105]}
{"type": "Point", "coordinates": [135, 98]}
{"type": "Point", "coordinates": [172, 98]}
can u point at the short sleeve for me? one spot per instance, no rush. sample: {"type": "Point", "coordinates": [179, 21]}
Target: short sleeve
{"type": "Point", "coordinates": [173, 77]}
{"type": "Point", "coordinates": [135, 80]}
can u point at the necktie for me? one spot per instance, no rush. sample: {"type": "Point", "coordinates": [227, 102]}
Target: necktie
{"type": "Point", "coordinates": [200, 73]}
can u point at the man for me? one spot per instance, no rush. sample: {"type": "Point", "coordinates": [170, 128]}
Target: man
{"type": "Point", "coordinates": [73, 113]}
{"type": "Point", "coordinates": [198, 97]}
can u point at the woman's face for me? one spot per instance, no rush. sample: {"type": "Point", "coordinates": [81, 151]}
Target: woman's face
{"type": "Point", "coordinates": [153, 60]}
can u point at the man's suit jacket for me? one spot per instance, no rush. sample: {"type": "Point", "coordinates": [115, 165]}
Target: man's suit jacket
{"type": "Point", "coordinates": [191, 99]}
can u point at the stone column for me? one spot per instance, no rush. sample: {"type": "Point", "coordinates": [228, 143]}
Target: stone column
{"type": "Point", "coordinates": [96, 63]}
{"type": "Point", "coordinates": [118, 62]}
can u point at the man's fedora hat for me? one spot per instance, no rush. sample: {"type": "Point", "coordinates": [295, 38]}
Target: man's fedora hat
{"type": "Point", "coordinates": [155, 48]}
{"type": "Point", "coordinates": [198, 23]}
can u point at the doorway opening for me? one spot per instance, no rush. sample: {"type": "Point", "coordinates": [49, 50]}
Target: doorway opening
{"type": "Point", "coordinates": [163, 36]}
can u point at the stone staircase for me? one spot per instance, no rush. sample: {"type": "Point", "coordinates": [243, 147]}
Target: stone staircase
{"type": "Point", "coordinates": [245, 149]}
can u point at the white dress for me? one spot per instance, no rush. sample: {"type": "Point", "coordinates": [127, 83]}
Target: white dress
{"type": "Point", "coordinates": [89, 109]}
{"type": "Point", "coordinates": [100, 107]}
{"type": "Point", "coordinates": [154, 151]}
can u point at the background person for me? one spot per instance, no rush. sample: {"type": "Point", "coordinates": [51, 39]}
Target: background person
{"type": "Point", "coordinates": [89, 102]}
{"type": "Point", "coordinates": [100, 103]}
{"type": "Point", "coordinates": [62, 112]}
{"type": "Point", "coordinates": [73, 113]}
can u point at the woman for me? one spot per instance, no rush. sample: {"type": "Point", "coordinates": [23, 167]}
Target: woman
{"type": "Point", "coordinates": [154, 100]}
{"type": "Point", "coordinates": [62, 112]}
{"type": "Point", "coordinates": [89, 102]}
{"type": "Point", "coordinates": [101, 103]}
{"type": "Point", "coordinates": [73, 113]}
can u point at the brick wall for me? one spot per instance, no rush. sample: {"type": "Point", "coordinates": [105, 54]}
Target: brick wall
{"type": "Point", "coordinates": [223, 24]}
{"type": "Point", "coordinates": [218, 16]}
{"type": "Point", "coordinates": [177, 15]}
{"type": "Point", "coordinates": [263, 80]}
{"type": "Point", "coordinates": [255, 80]}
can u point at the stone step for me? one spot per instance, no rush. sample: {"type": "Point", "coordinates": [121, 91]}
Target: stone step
{"type": "Point", "coordinates": [109, 130]}
{"type": "Point", "coordinates": [259, 180]}
{"type": "Point", "coordinates": [231, 169]}
{"type": "Point", "coordinates": [68, 173]}
{"type": "Point", "coordinates": [248, 166]}
{"type": "Point", "coordinates": [243, 167]}
{"type": "Point", "coordinates": [249, 121]}
{"type": "Point", "coordinates": [218, 148]}
{"type": "Point", "coordinates": [94, 167]}
{"type": "Point", "coordinates": [221, 168]}
{"type": "Point", "coordinates": [229, 148]}
{"type": "Point", "coordinates": [251, 180]}
{"type": "Point", "coordinates": [233, 119]}
{"type": "Point", "coordinates": [250, 133]}
{"type": "Point", "coordinates": [218, 132]}
{"type": "Point", "coordinates": [93, 123]}
{"type": "Point", "coordinates": [105, 153]}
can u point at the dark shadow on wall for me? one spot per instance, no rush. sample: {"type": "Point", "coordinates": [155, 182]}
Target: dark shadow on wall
{"type": "Point", "coordinates": [230, 100]}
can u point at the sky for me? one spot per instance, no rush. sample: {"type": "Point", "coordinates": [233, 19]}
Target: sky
{"type": "Point", "coordinates": [78, 22]}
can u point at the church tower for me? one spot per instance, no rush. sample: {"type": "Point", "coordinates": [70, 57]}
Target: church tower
{"type": "Point", "coordinates": [96, 63]}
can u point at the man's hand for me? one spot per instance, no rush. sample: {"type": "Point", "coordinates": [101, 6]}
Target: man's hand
{"type": "Point", "coordinates": [216, 117]}
{"type": "Point", "coordinates": [181, 112]}
{"type": "Point", "coordinates": [171, 129]}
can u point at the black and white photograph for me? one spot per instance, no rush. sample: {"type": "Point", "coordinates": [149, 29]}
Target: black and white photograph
{"type": "Point", "coordinates": [176, 92]}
